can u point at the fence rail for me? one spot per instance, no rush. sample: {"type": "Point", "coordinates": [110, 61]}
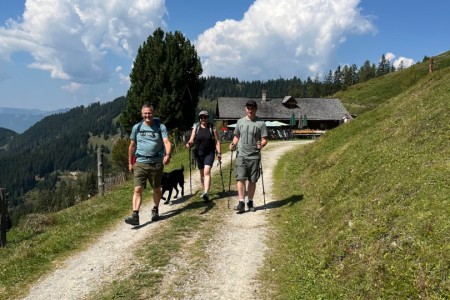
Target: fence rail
{"type": "Point", "coordinates": [111, 181]}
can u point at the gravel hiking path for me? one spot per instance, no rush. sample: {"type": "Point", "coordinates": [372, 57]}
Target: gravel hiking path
{"type": "Point", "coordinates": [234, 254]}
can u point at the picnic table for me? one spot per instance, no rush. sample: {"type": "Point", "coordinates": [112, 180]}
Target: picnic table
{"type": "Point", "coordinates": [307, 133]}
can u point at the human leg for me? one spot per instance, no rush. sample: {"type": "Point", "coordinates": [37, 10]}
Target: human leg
{"type": "Point", "coordinates": [254, 173]}
{"type": "Point", "coordinates": [251, 187]}
{"type": "Point", "coordinates": [139, 185]}
{"type": "Point", "coordinates": [207, 178]}
{"type": "Point", "coordinates": [136, 203]}
{"type": "Point", "coordinates": [202, 178]}
{"type": "Point", "coordinates": [137, 197]}
{"type": "Point", "coordinates": [240, 185]}
{"type": "Point", "coordinates": [155, 176]}
{"type": "Point", "coordinates": [156, 196]}
{"type": "Point", "coordinates": [207, 162]}
{"type": "Point", "coordinates": [241, 178]}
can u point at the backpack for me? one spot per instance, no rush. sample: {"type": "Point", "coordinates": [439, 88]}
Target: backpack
{"type": "Point", "coordinates": [210, 126]}
{"type": "Point", "coordinates": [211, 130]}
{"type": "Point", "coordinates": [138, 130]}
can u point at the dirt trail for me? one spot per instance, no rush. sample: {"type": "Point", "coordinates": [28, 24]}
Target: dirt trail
{"type": "Point", "coordinates": [236, 252]}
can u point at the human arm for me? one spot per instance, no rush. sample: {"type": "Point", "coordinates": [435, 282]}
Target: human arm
{"type": "Point", "coordinates": [168, 150]}
{"type": "Point", "coordinates": [218, 151]}
{"type": "Point", "coordinates": [234, 143]}
{"type": "Point", "coordinates": [191, 139]}
{"type": "Point", "coordinates": [131, 153]}
{"type": "Point", "coordinates": [261, 144]}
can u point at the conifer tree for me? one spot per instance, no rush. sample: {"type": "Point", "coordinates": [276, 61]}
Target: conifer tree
{"type": "Point", "coordinates": [166, 73]}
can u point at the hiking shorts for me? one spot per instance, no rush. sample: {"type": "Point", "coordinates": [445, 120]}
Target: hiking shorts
{"type": "Point", "coordinates": [247, 169]}
{"type": "Point", "coordinates": [148, 171]}
{"type": "Point", "coordinates": [205, 160]}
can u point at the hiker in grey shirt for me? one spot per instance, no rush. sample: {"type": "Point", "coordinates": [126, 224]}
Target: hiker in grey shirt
{"type": "Point", "coordinates": [250, 136]}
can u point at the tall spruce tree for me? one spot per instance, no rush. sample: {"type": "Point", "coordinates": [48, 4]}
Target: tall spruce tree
{"type": "Point", "coordinates": [166, 73]}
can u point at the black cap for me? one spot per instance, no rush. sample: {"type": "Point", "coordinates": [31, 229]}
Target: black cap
{"type": "Point", "coordinates": [251, 103]}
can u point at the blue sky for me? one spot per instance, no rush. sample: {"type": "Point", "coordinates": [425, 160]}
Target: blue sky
{"type": "Point", "coordinates": [65, 53]}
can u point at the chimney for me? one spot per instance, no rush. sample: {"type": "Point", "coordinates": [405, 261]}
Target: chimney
{"type": "Point", "coordinates": [263, 99]}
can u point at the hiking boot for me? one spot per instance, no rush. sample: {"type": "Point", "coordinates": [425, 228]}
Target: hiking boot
{"type": "Point", "coordinates": [205, 197]}
{"type": "Point", "coordinates": [155, 214]}
{"type": "Point", "coordinates": [133, 220]}
{"type": "Point", "coordinates": [250, 206]}
{"type": "Point", "coordinates": [241, 207]}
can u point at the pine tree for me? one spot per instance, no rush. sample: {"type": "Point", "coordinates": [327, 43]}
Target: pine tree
{"type": "Point", "coordinates": [166, 73]}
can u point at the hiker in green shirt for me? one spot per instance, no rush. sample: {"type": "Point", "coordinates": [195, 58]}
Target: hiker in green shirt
{"type": "Point", "coordinates": [250, 136]}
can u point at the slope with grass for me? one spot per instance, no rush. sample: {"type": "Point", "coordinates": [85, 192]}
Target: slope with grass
{"type": "Point", "coordinates": [368, 95]}
{"type": "Point", "coordinates": [374, 220]}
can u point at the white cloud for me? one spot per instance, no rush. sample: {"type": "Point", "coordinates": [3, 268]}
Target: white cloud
{"type": "Point", "coordinates": [389, 56]}
{"type": "Point", "coordinates": [123, 79]}
{"type": "Point", "coordinates": [407, 62]}
{"type": "Point", "coordinates": [71, 38]}
{"type": "Point", "coordinates": [280, 38]}
{"type": "Point", "coordinates": [71, 87]}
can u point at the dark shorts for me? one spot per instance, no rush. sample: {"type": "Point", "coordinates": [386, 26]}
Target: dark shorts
{"type": "Point", "coordinates": [151, 172]}
{"type": "Point", "coordinates": [205, 160]}
{"type": "Point", "coordinates": [247, 169]}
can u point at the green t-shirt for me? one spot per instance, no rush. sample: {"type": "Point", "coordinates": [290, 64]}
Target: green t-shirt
{"type": "Point", "coordinates": [250, 132]}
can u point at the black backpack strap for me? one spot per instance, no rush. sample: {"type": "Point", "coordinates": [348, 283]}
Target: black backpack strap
{"type": "Point", "coordinates": [137, 130]}
{"type": "Point", "coordinates": [210, 126]}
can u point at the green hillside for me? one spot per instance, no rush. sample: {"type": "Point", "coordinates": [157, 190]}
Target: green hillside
{"type": "Point", "coordinates": [365, 96]}
{"type": "Point", "coordinates": [371, 218]}
{"type": "Point", "coordinates": [57, 143]}
{"type": "Point", "coordinates": [5, 136]}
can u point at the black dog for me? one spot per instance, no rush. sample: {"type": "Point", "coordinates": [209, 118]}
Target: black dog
{"type": "Point", "coordinates": [170, 181]}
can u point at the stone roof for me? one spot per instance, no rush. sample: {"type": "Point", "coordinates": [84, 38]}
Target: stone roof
{"type": "Point", "coordinates": [231, 108]}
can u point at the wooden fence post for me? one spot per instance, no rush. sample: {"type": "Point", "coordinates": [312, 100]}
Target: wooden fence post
{"type": "Point", "coordinates": [101, 185]}
{"type": "Point", "coordinates": [3, 215]}
{"type": "Point", "coordinates": [431, 65]}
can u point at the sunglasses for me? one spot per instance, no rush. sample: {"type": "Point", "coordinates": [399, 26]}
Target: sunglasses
{"type": "Point", "coordinates": [203, 117]}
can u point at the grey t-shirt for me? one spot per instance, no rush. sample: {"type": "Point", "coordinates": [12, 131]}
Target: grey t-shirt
{"type": "Point", "coordinates": [250, 132]}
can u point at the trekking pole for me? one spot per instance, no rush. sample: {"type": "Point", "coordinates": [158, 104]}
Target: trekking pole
{"type": "Point", "coordinates": [221, 175]}
{"type": "Point", "coordinates": [231, 169]}
{"type": "Point", "coordinates": [190, 168]}
{"type": "Point", "coordinates": [262, 181]}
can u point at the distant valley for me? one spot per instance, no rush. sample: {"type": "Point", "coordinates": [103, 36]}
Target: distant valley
{"type": "Point", "coordinates": [20, 119]}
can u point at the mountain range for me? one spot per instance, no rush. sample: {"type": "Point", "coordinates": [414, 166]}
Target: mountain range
{"type": "Point", "coordinates": [20, 119]}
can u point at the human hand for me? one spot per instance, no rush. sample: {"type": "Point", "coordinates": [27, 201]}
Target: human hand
{"type": "Point", "coordinates": [166, 159]}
